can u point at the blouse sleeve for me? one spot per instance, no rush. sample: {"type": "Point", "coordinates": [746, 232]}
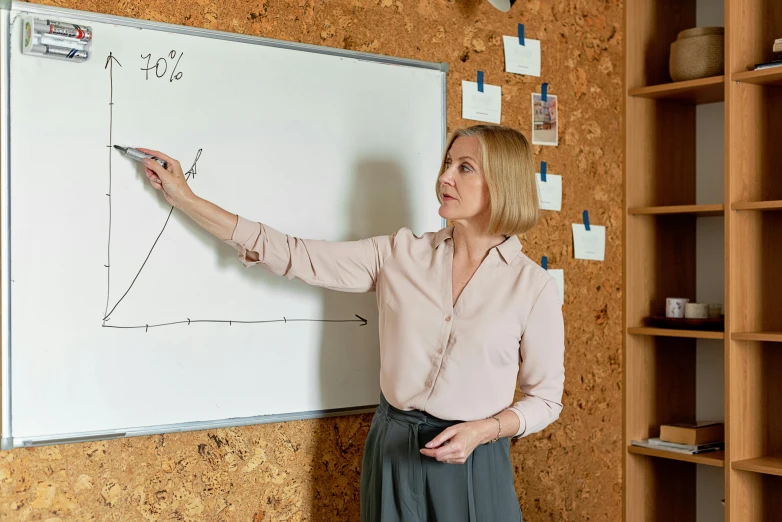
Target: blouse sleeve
{"type": "Point", "coordinates": [349, 266]}
{"type": "Point", "coordinates": [542, 374]}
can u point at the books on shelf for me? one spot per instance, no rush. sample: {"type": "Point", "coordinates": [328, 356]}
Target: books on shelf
{"type": "Point", "coordinates": [768, 65]}
{"type": "Point", "coordinates": [694, 433]}
{"type": "Point", "coordinates": [687, 449]}
{"type": "Point", "coordinates": [776, 60]}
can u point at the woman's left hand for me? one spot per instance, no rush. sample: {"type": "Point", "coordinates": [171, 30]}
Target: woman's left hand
{"type": "Point", "coordinates": [453, 445]}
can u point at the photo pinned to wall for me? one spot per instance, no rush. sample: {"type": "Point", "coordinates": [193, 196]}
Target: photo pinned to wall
{"type": "Point", "coordinates": [545, 125]}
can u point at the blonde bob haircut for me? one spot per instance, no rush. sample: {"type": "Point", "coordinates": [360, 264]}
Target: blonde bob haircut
{"type": "Point", "coordinates": [506, 161]}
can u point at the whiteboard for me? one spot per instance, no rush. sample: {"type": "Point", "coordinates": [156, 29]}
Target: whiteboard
{"type": "Point", "coordinates": [119, 319]}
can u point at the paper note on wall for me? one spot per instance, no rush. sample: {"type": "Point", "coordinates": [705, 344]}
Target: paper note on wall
{"type": "Point", "coordinates": [550, 192]}
{"type": "Point", "coordinates": [559, 276]}
{"type": "Point", "coordinates": [522, 59]}
{"type": "Point", "coordinates": [481, 106]}
{"type": "Point", "coordinates": [589, 244]}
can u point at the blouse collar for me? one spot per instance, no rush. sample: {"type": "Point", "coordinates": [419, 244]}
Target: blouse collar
{"type": "Point", "coordinates": [508, 249]}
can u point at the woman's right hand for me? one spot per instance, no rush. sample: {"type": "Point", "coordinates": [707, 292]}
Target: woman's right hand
{"type": "Point", "coordinates": [170, 181]}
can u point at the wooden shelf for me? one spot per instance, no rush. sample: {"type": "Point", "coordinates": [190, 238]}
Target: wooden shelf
{"type": "Point", "coordinates": [772, 77]}
{"type": "Point", "coordinates": [670, 332]}
{"type": "Point", "coordinates": [706, 90]}
{"type": "Point", "coordinates": [713, 458]}
{"type": "Point", "coordinates": [767, 465]}
{"type": "Point", "coordinates": [696, 210]}
{"type": "Point", "coordinates": [757, 205]}
{"type": "Point", "coordinates": [774, 337]}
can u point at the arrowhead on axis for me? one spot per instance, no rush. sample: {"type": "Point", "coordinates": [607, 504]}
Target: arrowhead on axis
{"type": "Point", "coordinates": [365, 321]}
{"type": "Point", "coordinates": [109, 58]}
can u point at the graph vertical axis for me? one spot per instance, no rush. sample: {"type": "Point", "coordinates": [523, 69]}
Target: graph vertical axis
{"type": "Point", "coordinates": [110, 65]}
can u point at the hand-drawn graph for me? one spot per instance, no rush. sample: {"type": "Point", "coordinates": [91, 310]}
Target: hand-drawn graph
{"type": "Point", "coordinates": [190, 174]}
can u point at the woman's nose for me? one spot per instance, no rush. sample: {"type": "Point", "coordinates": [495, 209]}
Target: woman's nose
{"type": "Point", "coordinates": [446, 178]}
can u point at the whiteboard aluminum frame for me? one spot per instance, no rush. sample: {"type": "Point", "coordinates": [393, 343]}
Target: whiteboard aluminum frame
{"type": "Point", "coordinates": [5, 228]}
{"type": "Point", "coordinates": [7, 8]}
{"type": "Point", "coordinates": [45, 10]}
{"type": "Point", "coordinates": [69, 438]}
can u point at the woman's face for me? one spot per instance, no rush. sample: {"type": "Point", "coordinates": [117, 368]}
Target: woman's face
{"type": "Point", "coordinates": [465, 195]}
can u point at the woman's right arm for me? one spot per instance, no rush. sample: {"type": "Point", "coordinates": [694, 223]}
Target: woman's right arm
{"type": "Point", "coordinates": [350, 266]}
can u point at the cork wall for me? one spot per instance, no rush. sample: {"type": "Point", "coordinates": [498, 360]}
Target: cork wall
{"type": "Point", "coordinates": [309, 470]}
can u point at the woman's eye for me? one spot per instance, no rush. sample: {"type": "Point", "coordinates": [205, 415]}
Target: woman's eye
{"type": "Point", "coordinates": [466, 168]}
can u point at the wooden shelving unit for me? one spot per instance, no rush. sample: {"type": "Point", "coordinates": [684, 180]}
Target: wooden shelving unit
{"type": "Point", "coordinates": [668, 332]}
{"type": "Point", "coordinates": [767, 465]}
{"type": "Point", "coordinates": [771, 77]}
{"type": "Point", "coordinates": [695, 210]}
{"type": "Point", "coordinates": [771, 337]}
{"type": "Point", "coordinates": [707, 90]}
{"type": "Point", "coordinates": [757, 205]}
{"type": "Point", "coordinates": [662, 213]}
{"type": "Point", "coordinates": [714, 458]}
{"type": "Point", "coordinates": [753, 478]}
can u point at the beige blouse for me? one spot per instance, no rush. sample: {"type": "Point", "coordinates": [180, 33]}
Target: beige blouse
{"type": "Point", "coordinates": [457, 362]}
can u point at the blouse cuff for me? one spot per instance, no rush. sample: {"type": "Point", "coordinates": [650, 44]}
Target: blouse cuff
{"type": "Point", "coordinates": [244, 237]}
{"type": "Point", "coordinates": [522, 422]}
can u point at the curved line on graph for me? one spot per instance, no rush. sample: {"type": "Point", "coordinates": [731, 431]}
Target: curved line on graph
{"type": "Point", "coordinates": [190, 173]}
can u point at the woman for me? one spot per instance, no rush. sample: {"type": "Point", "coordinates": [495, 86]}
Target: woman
{"type": "Point", "coordinates": [459, 310]}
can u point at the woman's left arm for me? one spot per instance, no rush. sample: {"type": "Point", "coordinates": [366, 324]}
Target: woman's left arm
{"type": "Point", "coordinates": [542, 378]}
{"type": "Point", "coordinates": [542, 374]}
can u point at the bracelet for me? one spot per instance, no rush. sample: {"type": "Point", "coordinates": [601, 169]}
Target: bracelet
{"type": "Point", "coordinates": [498, 431]}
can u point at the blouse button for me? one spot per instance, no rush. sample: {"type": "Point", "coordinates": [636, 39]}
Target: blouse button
{"type": "Point", "coordinates": [448, 318]}
{"type": "Point", "coordinates": [439, 350]}
{"type": "Point", "coordinates": [428, 384]}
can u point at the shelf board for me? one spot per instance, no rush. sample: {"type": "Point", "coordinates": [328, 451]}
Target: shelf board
{"type": "Point", "coordinates": [774, 337]}
{"type": "Point", "coordinates": [712, 458]}
{"type": "Point", "coordinates": [772, 76]}
{"type": "Point", "coordinates": [671, 332]}
{"type": "Point", "coordinates": [768, 465]}
{"type": "Point", "coordinates": [706, 90]}
{"type": "Point", "coordinates": [757, 205]}
{"type": "Point", "coordinates": [696, 210]}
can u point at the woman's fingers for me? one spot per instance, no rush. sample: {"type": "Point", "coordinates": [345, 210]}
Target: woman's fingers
{"type": "Point", "coordinates": [157, 168]}
{"type": "Point", "coordinates": [151, 176]}
{"type": "Point", "coordinates": [443, 447]}
{"type": "Point", "coordinates": [154, 179]}
{"type": "Point", "coordinates": [440, 439]}
{"type": "Point", "coordinates": [171, 180]}
{"type": "Point", "coordinates": [453, 445]}
{"type": "Point", "coordinates": [450, 451]}
{"type": "Point", "coordinates": [171, 161]}
{"type": "Point", "coordinates": [455, 450]}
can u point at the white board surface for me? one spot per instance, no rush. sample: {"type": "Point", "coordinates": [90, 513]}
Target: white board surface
{"type": "Point", "coordinates": [314, 145]}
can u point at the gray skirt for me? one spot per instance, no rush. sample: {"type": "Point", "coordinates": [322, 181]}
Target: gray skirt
{"type": "Point", "coordinates": [398, 484]}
